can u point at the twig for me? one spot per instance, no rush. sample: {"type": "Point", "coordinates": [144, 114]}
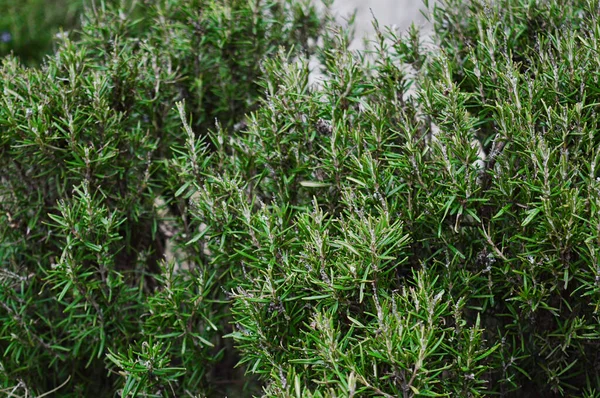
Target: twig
{"type": "Point", "coordinates": [491, 243]}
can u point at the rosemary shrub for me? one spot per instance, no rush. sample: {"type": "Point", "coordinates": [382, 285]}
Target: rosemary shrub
{"type": "Point", "coordinates": [423, 222]}
{"type": "Point", "coordinates": [378, 253]}
{"type": "Point", "coordinates": [91, 202]}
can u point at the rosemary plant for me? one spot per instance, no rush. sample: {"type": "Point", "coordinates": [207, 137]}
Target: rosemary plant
{"type": "Point", "coordinates": [179, 196]}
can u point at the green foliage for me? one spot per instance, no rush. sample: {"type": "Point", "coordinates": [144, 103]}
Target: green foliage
{"type": "Point", "coordinates": [90, 205]}
{"type": "Point", "coordinates": [321, 206]}
{"type": "Point", "coordinates": [148, 366]}
{"type": "Point", "coordinates": [421, 222]}
{"type": "Point", "coordinates": [28, 27]}
{"type": "Point", "coordinates": [381, 252]}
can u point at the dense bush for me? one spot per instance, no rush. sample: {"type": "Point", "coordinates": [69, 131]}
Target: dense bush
{"type": "Point", "coordinates": [89, 197]}
{"type": "Point", "coordinates": [424, 222]}
{"type": "Point", "coordinates": [28, 27]}
{"type": "Point", "coordinates": [380, 253]}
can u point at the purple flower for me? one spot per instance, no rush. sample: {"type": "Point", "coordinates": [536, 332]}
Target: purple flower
{"type": "Point", "coordinates": [5, 37]}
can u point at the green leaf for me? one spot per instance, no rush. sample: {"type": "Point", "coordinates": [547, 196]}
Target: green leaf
{"type": "Point", "coordinates": [314, 184]}
{"type": "Point", "coordinates": [487, 353]}
{"type": "Point", "coordinates": [531, 215]}
{"type": "Point", "coordinates": [197, 237]}
{"type": "Point", "coordinates": [182, 189]}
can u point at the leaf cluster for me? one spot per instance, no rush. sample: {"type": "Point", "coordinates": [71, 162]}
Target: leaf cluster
{"type": "Point", "coordinates": [424, 222]}
{"type": "Point", "coordinates": [421, 221]}
{"type": "Point", "coordinates": [93, 224]}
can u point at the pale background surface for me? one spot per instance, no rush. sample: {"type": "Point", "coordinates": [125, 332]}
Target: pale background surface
{"type": "Point", "coordinates": [388, 12]}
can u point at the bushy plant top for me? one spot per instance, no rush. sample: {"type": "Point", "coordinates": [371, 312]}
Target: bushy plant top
{"type": "Point", "coordinates": [90, 203]}
{"type": "Point", "coordinates": [380, 253]}
{"type": "Point", "coordinates": [422, 223]}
